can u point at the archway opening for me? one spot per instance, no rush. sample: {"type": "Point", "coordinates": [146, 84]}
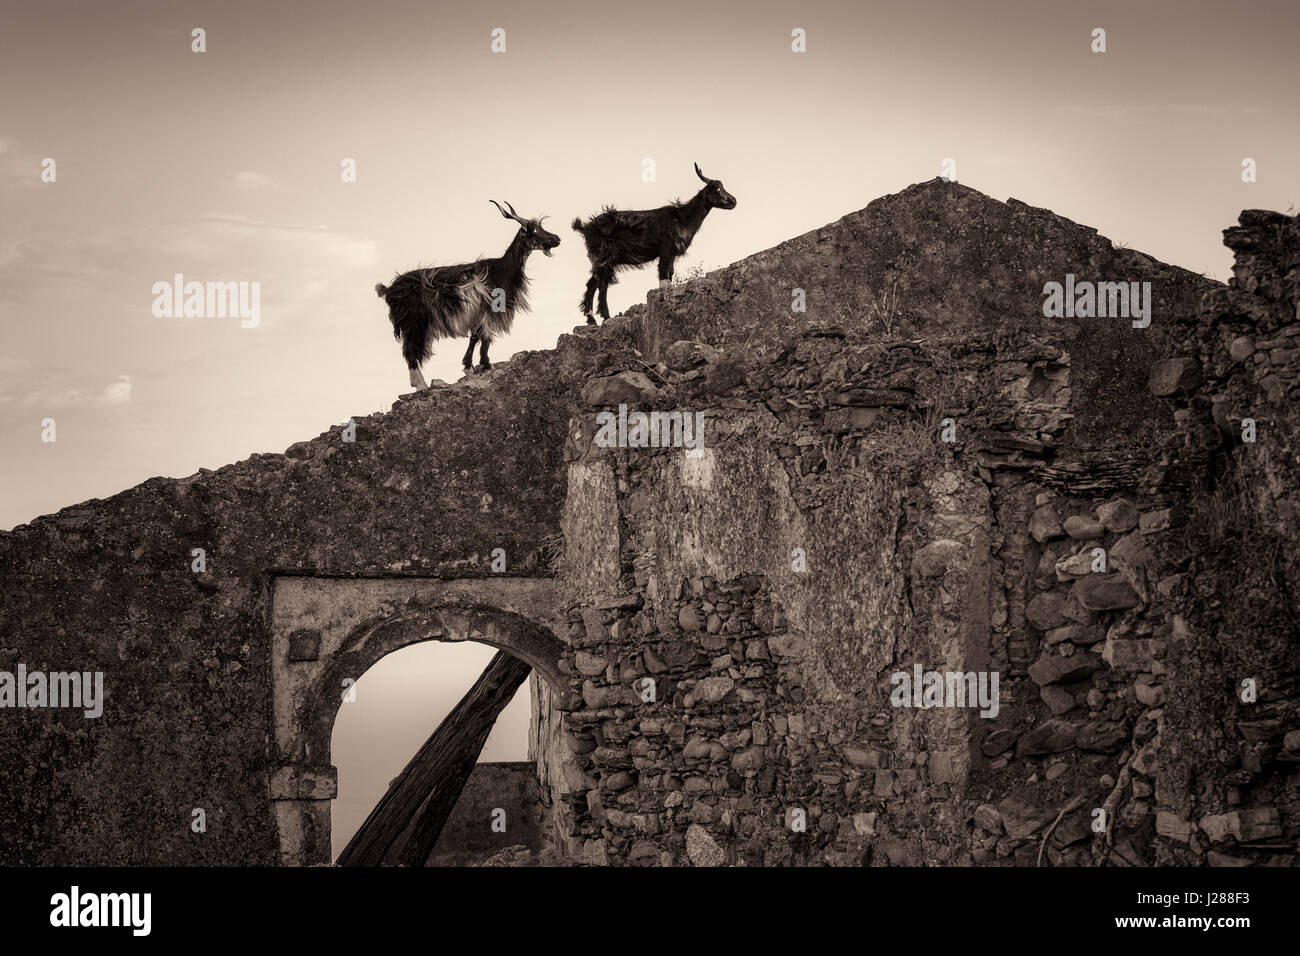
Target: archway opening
{"type": "Point", "coordinates": [396, 705]}
{"type": "Point", "coordinates": [327, 632]}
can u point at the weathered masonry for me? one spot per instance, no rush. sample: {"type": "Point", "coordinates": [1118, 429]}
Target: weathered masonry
{"type": "Point", "coordinates": [324, 631]}
{"type": "Point", "coordinates": [920, 470]}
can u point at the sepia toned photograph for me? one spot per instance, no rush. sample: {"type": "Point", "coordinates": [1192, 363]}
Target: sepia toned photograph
{"type": "Point", "coordinates": [607, 436]}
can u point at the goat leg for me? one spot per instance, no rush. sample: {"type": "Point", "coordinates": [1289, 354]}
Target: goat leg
{"type": "Point", "coordinates": [587, 298]}
{"type": "Point", "coordinates": [417, 380]}
{"type": "Point", "coordinates": [469, 352]}
{"type": "Point", "coordinates": [665, 272]}
{"type": "Point", "coordinates": [605, 278]}
{"type": "Point", "coordinates": [484, 364]}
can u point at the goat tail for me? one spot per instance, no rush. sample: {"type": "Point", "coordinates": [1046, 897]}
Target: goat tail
{"type": "Point", "coordinates": [577, 223]}
{"type": "Point", "coordinates": [381, 290]}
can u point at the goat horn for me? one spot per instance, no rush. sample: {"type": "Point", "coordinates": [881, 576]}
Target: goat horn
{"type": "Point", "coordinates": [700, 174]}
{"type": "Point", "coordinates": [504, 214]}
{"type": "Point", "coordinates": [514, 215]}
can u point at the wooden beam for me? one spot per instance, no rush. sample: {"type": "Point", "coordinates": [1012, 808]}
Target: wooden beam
{"type": "Point", "coordinates": [428, 787]}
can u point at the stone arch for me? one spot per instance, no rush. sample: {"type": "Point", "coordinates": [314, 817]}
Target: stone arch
{"type": "Point", "coordinates": [452, 623]}
{"type": "Point", "coordinates": [327, 630]}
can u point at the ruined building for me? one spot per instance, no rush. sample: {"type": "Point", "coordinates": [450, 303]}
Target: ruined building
{"type": "Point", "coordinates": [917, 472]}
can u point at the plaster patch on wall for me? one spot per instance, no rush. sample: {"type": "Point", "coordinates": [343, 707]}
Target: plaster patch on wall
{"type": "Point", "coordinates": [590, 524]}
{"type": "Point", "coordinates": [696, 468]}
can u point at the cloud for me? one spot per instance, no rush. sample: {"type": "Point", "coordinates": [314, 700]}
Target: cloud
{"type": "Point", "coordinates": [91, 292]}
{"type": "Point", "coordinates": [248, 181]}
{"type": "Point", "coordinates": [116, 392]}
{"type": "Point", "coordinates": [120, 266]}
{"type": "Point", "coordinates": [18, 170]}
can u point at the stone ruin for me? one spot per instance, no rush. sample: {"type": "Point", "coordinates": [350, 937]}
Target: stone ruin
{"type": "Point", "coordinates": [919, 472]}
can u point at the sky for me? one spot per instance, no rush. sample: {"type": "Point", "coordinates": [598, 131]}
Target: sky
{"type": "Point", "coordinates": [226, 165]}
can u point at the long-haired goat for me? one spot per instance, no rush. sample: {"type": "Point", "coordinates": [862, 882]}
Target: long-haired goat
{"type": "Point", "coordinates": [477, 298]}
{"type": "Point", "coordinates": [623, 239]}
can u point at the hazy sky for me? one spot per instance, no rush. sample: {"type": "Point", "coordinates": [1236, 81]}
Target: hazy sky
{"type": "Point", "coordinates": [225, 166]}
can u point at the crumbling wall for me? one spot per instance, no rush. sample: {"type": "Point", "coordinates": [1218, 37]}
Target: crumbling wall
{"type": "Point", "coordinates": [761, 587]}
{"type": "Point", "coordinates": [941, 258]}
{"type": "Point", "coordinates": [429, 488]}
{"type": "Point", "coordinates": [919, 469]}
{"type": "Point", "coordinates": [1227, 794]}
{"type": "Point", "coordinates": [499, 808]}
{"type": "Point", "coordinates": [1026, 546]}
{"type": "Point", "coordinates": [773, 675]}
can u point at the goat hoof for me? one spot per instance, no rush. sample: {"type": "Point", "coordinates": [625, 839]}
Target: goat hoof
{"type": "Point", "coordinates": [590, 320]}
{"type": "Point", "coordinates": [485, 367]}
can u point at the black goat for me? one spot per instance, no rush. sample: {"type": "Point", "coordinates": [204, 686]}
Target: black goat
{"type": "Point", "coordinates": [477, 298]}
{"type": "Point", "coordinates": [622, 239]}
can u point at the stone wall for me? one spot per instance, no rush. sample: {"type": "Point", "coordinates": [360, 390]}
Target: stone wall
{"type": "Point", "coordinates": [772, 684]}
{"type": "Point", "coordinates": [942, 258]}
{"type": "Point", "coordinates": [920, 470]}
{"type": "Point", "coordinates": [1039, 544]}
{"type": "Point", "coordinates": [469, 837]}
{"type": "Point", "coordinates": [429, 488]}
{"type": "Point", "coordinates": [1229, 793]}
